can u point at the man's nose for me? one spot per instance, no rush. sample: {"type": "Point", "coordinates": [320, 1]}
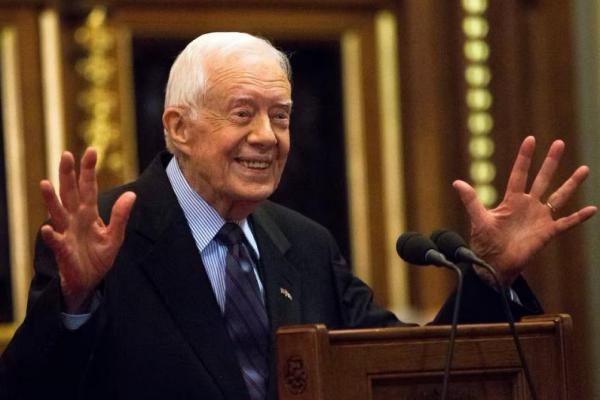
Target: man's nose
{"type": "Point", "coordinates": [262, 132]}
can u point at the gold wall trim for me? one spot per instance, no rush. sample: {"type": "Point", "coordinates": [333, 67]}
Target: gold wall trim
{"type": "Point", "coordinates": [391, 158]}
{"type": "Point", "coordinates": [479, 99]}
{"type": "Point", "coordinates": [52, 84]}
{"type": "Point", "coordinates": [14, 158]}
{"type": "Point", "coordinates": [356, 159]}
{"type": "Point", "coordinates": [99, 99]}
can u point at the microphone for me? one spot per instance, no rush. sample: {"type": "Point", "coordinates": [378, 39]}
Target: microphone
{"type": "Point", "coordinates": [420, 250]}
{"type": "Point", "coordinates": [417, 249]}
{"type": "Point", "coordinates": [456, 249]}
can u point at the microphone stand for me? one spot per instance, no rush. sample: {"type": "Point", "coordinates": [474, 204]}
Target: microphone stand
{"type": "Point", "coordinates": [415, 248]}
{"type": "Point", "coordinates": [511, 323]}
{"type": "Point", "coordinates": [453, 329]}
{"type": "Point", "coordinates": [451, 243]}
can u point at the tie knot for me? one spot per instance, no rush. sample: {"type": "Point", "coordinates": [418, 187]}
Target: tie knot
{"type": "Point", "coordinates": [230, 235]}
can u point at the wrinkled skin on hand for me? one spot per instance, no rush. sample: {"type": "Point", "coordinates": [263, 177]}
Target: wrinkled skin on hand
{"type": "Point", "coordinates": [83, 245]}
{"type": "Point", "coordinates": [509, 235]}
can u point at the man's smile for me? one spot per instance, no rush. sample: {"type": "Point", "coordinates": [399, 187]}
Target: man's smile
{"type": "Point", "coordinates": [254, 163]}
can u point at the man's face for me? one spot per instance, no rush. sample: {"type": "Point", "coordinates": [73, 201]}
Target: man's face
{"type": "Point", "coordinates": [239, 140]}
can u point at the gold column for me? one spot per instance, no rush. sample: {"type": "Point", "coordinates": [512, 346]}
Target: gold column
{"type": "Point", "coordinates": [356, 158]}
{"type": "Point", "coordinates": [54, 123]}
{"type": "Point", "coordinates": [14, 160]}
{"type": "Point", "coordinates": [391, 158]}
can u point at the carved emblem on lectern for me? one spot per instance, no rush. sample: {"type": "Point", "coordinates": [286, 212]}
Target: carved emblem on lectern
{"type": "Point", "coordinates": [295, 375]}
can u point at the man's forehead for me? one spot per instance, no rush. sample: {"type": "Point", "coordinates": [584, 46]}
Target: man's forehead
{"type": "Point", "coordinates": [245, 59]}
{"type": "Point", "coordinates": [243, 77]}
{"type": "Point", "coordinates": [237, 99]}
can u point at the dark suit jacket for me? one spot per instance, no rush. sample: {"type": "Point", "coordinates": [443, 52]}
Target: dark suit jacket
{"type": "Point", "coordinates": [159, 333]}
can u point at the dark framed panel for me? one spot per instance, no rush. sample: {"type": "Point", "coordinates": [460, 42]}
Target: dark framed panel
{"type": "Point", "coordinates": [314, 182]}
{"type": "Point", "coordinates": [353, 205]}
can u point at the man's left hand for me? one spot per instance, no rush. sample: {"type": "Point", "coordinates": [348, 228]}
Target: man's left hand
{"type": "Point", "coordinates": [509, 235]}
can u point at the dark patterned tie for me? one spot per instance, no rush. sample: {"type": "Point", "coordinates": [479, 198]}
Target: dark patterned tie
{"type": "Point", "coordinates": [245, 314]}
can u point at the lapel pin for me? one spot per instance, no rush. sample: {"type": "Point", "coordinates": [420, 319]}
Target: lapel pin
{"type": "Point", "coordinates": [285, 293]}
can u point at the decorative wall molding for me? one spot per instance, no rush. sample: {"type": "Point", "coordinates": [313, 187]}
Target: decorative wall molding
{"type": "Point", "coordinates": [479, 99]}
{"type": "Point", "coordinates": [99, 98]}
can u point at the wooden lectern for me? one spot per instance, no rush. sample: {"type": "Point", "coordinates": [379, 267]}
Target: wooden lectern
{"type": "Point", "coordinates": [407, 363]}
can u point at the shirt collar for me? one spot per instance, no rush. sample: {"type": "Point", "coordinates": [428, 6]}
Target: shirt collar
{"type": "Point", "coordinates": [202, 218]}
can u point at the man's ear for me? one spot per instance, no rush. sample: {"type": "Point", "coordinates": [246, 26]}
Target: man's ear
{"type": "Point", "coordinates": [176, 128]}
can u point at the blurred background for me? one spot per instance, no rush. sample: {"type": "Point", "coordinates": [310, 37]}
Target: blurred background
{"type": "Point", "coordinates": [393, 100]}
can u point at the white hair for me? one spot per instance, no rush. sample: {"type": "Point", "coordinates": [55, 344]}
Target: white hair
{"type": "Point", "coordinates": [187, 78]}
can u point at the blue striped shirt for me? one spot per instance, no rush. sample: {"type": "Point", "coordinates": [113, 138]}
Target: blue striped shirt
{"type": "Point", "coordinates": [204, 222]}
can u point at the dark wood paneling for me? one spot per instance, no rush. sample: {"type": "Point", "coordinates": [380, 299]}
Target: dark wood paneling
{"type": "Point", "coordinates": [433, 139]}
{"type": "Point", "coordinates": [533, 85]}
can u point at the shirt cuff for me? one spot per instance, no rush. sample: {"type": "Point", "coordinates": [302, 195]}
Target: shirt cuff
{"type": "Point", "coordinates": [513, 296]}
{"type": "Point", "coordinates": [73, 322]}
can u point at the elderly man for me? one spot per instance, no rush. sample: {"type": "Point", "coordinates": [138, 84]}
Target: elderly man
{"type": "Point", "coordinates": [172, 286]}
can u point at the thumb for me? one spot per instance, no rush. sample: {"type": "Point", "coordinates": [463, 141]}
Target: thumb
{"type": "Point", "coordinates": [51, 238]}
{"type": "Point", "coordinates": [469, 198]}
{"type": "Point", "coordinates": [120, 215]}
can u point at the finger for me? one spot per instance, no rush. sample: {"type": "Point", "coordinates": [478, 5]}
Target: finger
{"type": "Point", "coordinates": [88, 184]}
{"type": "Point", "coordinates": [544, 176]}
{"type": "Point", "coordinates": [52, 239]}
{"type": "Point", "coordinates": [565, 223]}
{"type": "Point", "coordinates": [566, 190]}
{"type": "Point", "coordinates": [468, 196]}
{"type": "Point", "coordinates": [119, 216]}
{"type": "Point", "coordinates": [58, 214]}
{"type": "Point", "coordinates": [518, 175]}
{"type": "Point", "coordinates": [68, 182]}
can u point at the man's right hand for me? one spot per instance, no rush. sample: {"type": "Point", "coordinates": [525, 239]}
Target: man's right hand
{"type": "Point", "coordinates": [84, 247]}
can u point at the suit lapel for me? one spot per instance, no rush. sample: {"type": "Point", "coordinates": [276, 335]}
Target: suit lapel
{"type": "Point", "coordinates": [280, 277]}
{"type": "Point", "coordinates": [279, 274]}
{"type": "Point", "coordinates": [174, 266]}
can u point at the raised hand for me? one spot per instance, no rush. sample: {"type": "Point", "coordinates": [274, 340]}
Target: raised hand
{"type": "Point", "coordinates": [509, 235]}
{"type": "Point", "coordinates": [84, 247]}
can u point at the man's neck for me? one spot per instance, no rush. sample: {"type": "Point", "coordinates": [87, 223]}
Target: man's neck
{"type": "Point", "coordinates": [228, 209]}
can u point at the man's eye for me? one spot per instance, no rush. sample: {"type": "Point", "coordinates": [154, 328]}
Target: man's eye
{"type": "Point", "coordinates": [281, 120]}
{"type": "Point", "coordinates": [281, 115]}
{"type": "Point", "coordinates": [242, 113]}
